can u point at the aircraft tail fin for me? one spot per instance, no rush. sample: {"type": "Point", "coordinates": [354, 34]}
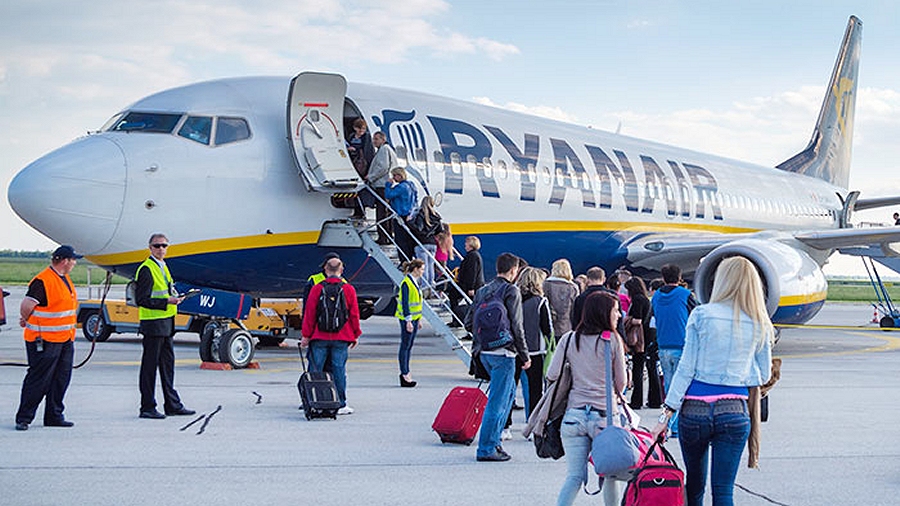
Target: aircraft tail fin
{"type": "Point", "coordinates": [828, 154]}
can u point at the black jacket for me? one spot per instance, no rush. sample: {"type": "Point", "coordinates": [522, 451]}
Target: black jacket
{"type": "Point", "coordinates": [578, 307]}
{"type": "Point", "coordinates": [471, 272]}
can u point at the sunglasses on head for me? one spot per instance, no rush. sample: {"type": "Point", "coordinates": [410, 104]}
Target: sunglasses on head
{"type": "Point", "coordinates": [160, 245]}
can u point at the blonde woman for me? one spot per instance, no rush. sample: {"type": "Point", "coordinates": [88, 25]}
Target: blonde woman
{"type": "Point", "coordinates": [727, 349]}
{"type": "Point", "coordinates": [561, 291]}
{"type": "Point", "coordinates": [538, 330]}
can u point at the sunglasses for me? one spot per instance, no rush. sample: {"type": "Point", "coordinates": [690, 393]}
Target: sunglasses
{"type": "Point", "coordinates": [162, 245]}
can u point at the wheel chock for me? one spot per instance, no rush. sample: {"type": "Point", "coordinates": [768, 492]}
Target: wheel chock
{"type": "Point", "coordinates": [218, 366]}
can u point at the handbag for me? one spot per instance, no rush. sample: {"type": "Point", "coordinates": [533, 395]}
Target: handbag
{"type": "Point", "coordinates": [615, 449]}
{"type": "Point", "coordinates": [549, 444]}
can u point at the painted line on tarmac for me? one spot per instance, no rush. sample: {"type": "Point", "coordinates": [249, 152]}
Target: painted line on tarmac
{"type": "Point", "coordinates": [890, 344]}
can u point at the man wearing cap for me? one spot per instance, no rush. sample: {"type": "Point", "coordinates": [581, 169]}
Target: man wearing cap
{"type": "Point", "coordinates": [315, 279]}
{"type": "Point", "coordinates": [157, 300]}
{"type": "Point", "coordinates": [47, 314]}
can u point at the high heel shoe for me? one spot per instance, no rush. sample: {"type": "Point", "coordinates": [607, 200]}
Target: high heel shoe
{"type": "Point", "coordinates": [406, 384]}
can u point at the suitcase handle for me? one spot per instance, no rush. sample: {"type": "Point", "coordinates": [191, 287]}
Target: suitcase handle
{"type": "Point", "coordinates": [302, 362]}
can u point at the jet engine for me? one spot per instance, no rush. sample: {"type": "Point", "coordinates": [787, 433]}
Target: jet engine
{"type": "Point", "coordinates": [793, 283]}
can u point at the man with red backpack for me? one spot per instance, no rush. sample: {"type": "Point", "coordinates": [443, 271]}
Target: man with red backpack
{"type": "Point", "coordinates": [495, 321]}
{"type": "Point", "coordinates": [331, 327]}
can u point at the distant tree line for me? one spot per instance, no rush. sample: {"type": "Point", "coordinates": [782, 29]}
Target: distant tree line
{"type": "Point", "coordinates": [8, 253]}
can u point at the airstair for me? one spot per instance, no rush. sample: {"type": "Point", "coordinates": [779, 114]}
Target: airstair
{"type": "Point", "coordinates": [315, 112]}
{"type": "Point", "coordinates": [436, 310]}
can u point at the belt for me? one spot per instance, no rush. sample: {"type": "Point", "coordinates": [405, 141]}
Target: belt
{"type": "Point", "coordinates": [601, 412]}
{"type": "Point", "coordinates": [699, 408]}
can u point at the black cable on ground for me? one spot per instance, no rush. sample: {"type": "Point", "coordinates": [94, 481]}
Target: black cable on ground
{"type": "Point", "coordinates": [208, 418]}
{"type": "Point", "coordinates": [106, 286]}
{"type": "Point", "coordinates": [201, 417]}
{"type": "Point", "coordinates": [761, 496]}
{"type": "Point", "coordinates": [258, 397]}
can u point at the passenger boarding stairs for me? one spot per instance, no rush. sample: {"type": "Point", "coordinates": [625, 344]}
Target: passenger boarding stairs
{"type": "Point", "coordinates": [437, 311]}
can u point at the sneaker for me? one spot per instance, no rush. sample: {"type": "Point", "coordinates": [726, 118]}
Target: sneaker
{"type": "Point", "coordinates": [346, 410]}
{"type": "Point", "coordinates": [506, 435]}
{"type": "Point", "coordinates": [498, 456]}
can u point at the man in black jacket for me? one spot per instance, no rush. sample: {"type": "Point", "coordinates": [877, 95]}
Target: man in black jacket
{"type": "Point", "coordinates": [499, 362]}
{"type": "Point", "coordinates": [157, 300]}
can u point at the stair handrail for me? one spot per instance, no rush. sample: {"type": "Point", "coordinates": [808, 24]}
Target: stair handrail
{"type": "Point", "coordinates": [392, 215]}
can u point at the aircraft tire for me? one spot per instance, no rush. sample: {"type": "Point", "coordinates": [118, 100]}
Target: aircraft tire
{"type": "Point", "coordinates": [95, 328]}
{"type": "Point", "coordinates": [886, 322]}
{"type": "Point", "coordinates": [210, 332]}
{"type": "Point", "coordinates": [236, 348]}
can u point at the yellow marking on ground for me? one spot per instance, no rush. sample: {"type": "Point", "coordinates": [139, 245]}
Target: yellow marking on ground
{"type": "Point", "coordinates": [890, 344]}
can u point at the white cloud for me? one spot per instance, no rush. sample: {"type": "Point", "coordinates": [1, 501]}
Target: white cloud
{"type": "Point", "coordinates": [544, 111]}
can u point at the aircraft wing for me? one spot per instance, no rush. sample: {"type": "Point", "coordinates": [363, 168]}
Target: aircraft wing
{"type": "Point", "coordinates": [653, 250]}
{"type": "Point", "coordinates": [874, 203]}
{"type": "Point", "coordinates": [849, 238]}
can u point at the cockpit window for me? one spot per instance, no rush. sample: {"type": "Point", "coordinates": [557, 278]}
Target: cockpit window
{"type": "Point", "coordinates": [147, 122]}
{"type": "Point", "coordinates": [197, 128]}
{"type": "Point", "coordinates": [231, 130]}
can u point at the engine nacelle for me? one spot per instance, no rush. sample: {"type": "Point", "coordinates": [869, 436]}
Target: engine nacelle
{"type": "Point", "coordinates": [793, 283]}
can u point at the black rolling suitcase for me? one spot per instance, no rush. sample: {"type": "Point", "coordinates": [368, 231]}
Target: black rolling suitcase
{"type": "Point", "coordinates": [317, 393]}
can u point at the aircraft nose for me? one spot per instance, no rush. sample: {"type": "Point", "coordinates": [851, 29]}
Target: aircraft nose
{"type": "Point", "coordinates": [73, 195]}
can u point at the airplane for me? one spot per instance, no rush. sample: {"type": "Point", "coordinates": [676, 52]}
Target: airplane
{"type": "Point", "coordinates": [243, 175]}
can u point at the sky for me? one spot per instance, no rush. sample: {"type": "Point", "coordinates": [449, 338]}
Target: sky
{"type": "Point", "coordinates": [739, 79]}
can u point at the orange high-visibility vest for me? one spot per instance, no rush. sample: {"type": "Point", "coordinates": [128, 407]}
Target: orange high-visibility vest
{"type": "Point", "coordinates": [55, 322]}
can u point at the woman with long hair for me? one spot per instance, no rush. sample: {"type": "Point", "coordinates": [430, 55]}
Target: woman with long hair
{"type": "Point", "coordinates": [727, 349]}
{"type": "Point", "coordinates": [409, 312]}
{"type": "Point", "coordinates": [584, 351]}
{"type": "Point", "coordinates": [426, 225]}
{"type": "Point", "coordinates": [643, 353]}
{"type": "Point", "coordinates": [538, 330]}
{"type": "Point", "coordinates": [561, 291]}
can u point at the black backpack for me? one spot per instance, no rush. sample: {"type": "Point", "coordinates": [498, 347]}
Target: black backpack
{"type": "Point", "coordinates": [331, 311]}
{"type": "Point", "coordinates": [490, 321]}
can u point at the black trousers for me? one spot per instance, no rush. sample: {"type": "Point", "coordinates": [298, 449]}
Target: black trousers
{"type": "Point", "coordinates": [535, 375]}
{"type": "Point", "coordinates": [159, 353]}
{"type": "Point", "coordinates": [654, 394]}
{"type": "Point", "coordinates": [49, 373]}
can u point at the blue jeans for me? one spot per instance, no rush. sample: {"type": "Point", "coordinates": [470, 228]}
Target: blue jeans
{"type": "Point", "coordinates": [428, 258]}
{"type": "Point", "coordinates": [579, 427]}
{"type": "Point", "coordinates": [500, 400]}
{"type": "Point", "coordinates": [333, 353]}
{"type": "Point", "coordinates": [406, 343]}
{"type": "Point", "coordinates": [668, 360]}
{"type": "Point", "coordinates": [727, 434]}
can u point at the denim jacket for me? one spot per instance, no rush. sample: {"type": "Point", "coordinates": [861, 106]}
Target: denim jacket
{"type": "Point", "coordinates": [715, 353]}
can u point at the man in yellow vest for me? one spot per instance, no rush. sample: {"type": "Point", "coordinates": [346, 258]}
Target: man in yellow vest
{"type": "Point", "coordinates": [157, 300]}
{"type": "Point", "coordinates": [47, 314]}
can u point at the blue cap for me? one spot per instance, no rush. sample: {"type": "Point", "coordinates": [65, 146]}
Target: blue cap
{"type": "Point", "coordinates": [66, 251]}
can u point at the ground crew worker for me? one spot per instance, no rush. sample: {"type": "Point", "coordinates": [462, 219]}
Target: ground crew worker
{"type": "Point", "coordinates": [315, 279]}
{"type": "Point", "coordinates": [409, 312]}
{"type": "Point", "coordinates": [157, 300]}
{"type": "Point", "coordinates": [48, 315]}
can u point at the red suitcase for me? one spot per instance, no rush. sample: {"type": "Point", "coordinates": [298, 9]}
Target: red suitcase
{"type": "Point", "coordinates": [460, 416]}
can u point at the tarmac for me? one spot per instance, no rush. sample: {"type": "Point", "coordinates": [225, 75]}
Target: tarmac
{"type": "Point", "coordinates": [829, 440]}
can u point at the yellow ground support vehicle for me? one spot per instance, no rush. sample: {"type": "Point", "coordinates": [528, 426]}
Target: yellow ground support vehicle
{"type": "Point", "coordinates": [221, 339]}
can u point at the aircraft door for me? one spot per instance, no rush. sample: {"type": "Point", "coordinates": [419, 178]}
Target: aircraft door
{"type": "Point", "coordinates": [315, 121]}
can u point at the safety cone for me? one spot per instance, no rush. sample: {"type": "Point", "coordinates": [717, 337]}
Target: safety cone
{"type": "Point", "coordinates": [874, 314]}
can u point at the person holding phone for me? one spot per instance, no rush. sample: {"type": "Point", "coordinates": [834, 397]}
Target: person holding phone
{"type": "Point", "coordinates": [157, 303]}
